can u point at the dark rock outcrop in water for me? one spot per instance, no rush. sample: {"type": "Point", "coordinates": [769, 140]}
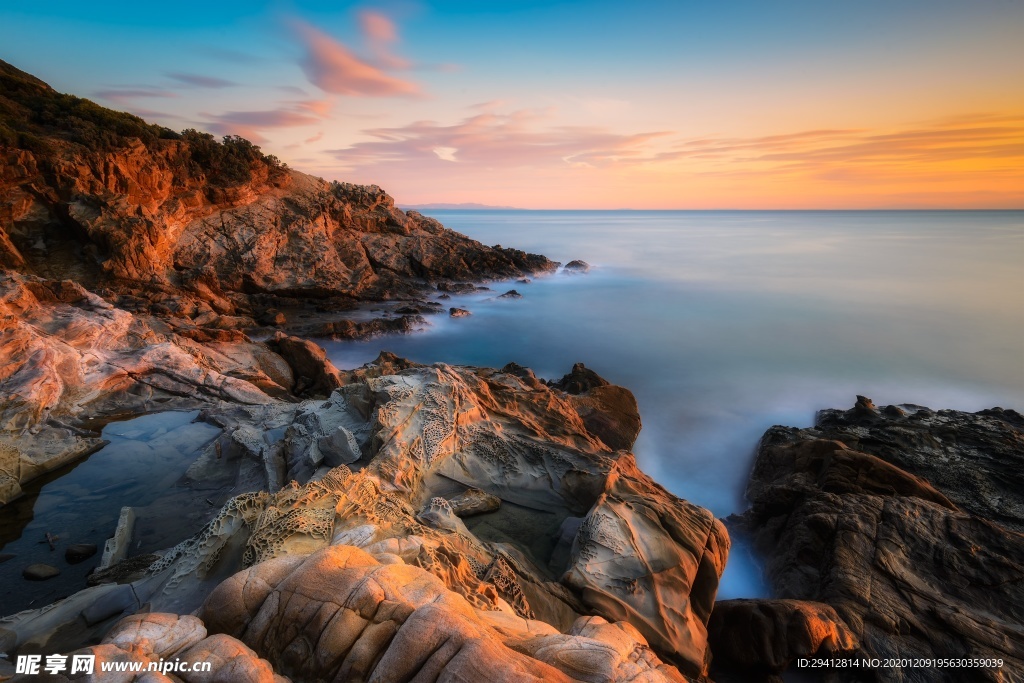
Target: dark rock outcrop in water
{"type": "Point", "coordinates": [905, 521]}
{"type": "Point", "coordinates": [576, 567]}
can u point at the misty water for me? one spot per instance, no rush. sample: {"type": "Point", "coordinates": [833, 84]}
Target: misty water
{"type": "Point", "coordinates": [725, 323]}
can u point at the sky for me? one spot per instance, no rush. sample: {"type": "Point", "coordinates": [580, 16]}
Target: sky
{"type": "Point", "coordinates": [747, 104]}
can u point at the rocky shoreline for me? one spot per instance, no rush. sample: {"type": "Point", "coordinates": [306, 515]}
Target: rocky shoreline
{"type": "Point", "coordinates": [403, 521]}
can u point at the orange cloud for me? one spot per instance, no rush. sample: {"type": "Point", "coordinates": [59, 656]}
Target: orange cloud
{"type": "Point", "coordinates": [333, 68]}
{"type": "Point", "coordinates": [979, 138]}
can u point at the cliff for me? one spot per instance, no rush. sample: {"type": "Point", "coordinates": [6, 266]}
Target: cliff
{"type": "Point", "coordinates": [179, 224]}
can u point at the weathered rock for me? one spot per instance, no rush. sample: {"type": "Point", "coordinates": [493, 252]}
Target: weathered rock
{"type": "Point", "coordinates": [759, 639]}
{"type": "Point", "coordinates": [458, 312]}
{"type": "Point", "coordinates": [474, 502]}
{"type": "Point", "coordinates": [79, 552]}
{"type": "Point", "coordinates": [569, 504]}
{"type": "Point", "coordinates": [40, 572]}
{"type": "Point", "coordinates": [511, 294]}
{"type": "Point", "coordinates": [580, 380]}
{"type": "Point", "coordinates": [378, 618]}
{"type": "Point", "coordinates": [910, 567]}
{"type": "Point", "coordinates": [63, 362]}
{"type": "Point", "coordinates": [608, 411]}
{"type": "Point", "coordinates": [151, 638]}
{"type": "Point", "coordinates": [314, 374]}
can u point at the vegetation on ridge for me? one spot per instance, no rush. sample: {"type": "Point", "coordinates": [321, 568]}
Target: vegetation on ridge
{"type": "Point", "coordinates": [37, 118]}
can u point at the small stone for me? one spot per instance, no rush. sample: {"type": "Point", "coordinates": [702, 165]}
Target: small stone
{"type": "Point", "coordinates": [474, 502]}
{"type": "Point", "coordinates": [39, 572]}
{"type": "Point", "coordinates": [458, 312]}
{"type": "Point", "coordinates": [511, 294]}
{"type": "Point", "coordinates": [5, 556]}
{"type": "Point", "coordinates": [79, 552]}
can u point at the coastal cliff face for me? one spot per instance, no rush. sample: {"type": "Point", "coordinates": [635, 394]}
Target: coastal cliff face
{"type": "Point", "coordinates": [182, 225]}
{"type": "Point", "coordinates": [904, 520]}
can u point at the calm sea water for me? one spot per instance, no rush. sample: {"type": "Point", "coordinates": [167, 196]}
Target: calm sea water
{"type": "Point", "coordinates": [725, 323]}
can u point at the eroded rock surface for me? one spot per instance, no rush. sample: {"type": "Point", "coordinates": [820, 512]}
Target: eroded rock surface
{"type": "Point", "coordinates": [580, 532]}
{"type": "Point", "coordinates": [912, 568]}
{"type": "Point", "coordinates": [150, 638]}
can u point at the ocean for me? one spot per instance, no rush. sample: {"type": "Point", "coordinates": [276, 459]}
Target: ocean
{"type": "Point", "coordinates": [723, 323]}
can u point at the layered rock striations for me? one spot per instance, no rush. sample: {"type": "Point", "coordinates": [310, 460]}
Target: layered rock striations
{"type": "Point", "coordinates": [906, 522]}
{"type": "Point", "coordinates": [579, 567]}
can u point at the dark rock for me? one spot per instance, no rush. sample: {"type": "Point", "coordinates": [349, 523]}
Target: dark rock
{"type": "Point", "coordinates": [579, 380]}
{"type": "Point", "coordinates": [127, 570]}
{"type": "Point", "coordinates": [609, 412]}
{"type": "Point", "coordinates": [6, 556]}
{"type": "Point", "coordinates": [975, 459]}
{"type": "Point", "coordinates": [903, 524]}
{"type": "Point", "coordinates": [759, 639]}
{"type": "Point", "coordinates": [458, 312]}
{"type": "Point", "coordinates": [444, 296]}
{"type": "Point", "coordinates": [273, 317]}
{"type": "Point", "coordinates": [315, 374]}
{"type": "Point", "coordinates": [408, 310]}
{"type": "Point", "coordinates": [456, 287]}
{"type": "Point", "coordinates": [79, 552]}
{"type": "Point", "coordinates": [511, 294]}
{"type": "Point", "coordinates": [577, 266]}
{"type": "Point", "coordinates": [39, 572]}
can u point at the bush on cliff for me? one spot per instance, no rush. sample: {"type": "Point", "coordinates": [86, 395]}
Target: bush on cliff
{"type": "Point", "coordinates": [33, 116]}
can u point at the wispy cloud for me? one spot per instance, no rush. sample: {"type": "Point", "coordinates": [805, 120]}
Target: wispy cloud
{"type": "Point", "coordinates": [521, 138]}
{"type": "Point", "coordinates": [200, 81]}
{"type": "Point", "coordinates": [381, 34]}
{"type": "Point", "coordinates": [334, 68]}
{"type": "Point", "coordinates": [121, 95]}
{"type": "Point", "coordinates": [249, 124]}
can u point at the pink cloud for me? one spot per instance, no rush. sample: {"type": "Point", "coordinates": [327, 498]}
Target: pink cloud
{"type": "Point", "coordinates": [248, 124]}
{"type": "Point", "coordinates": [519, 139]}
{"type": "Point", "coordinates": [334, 68]}
{"type": "Point", "coordinates": [378, 27]}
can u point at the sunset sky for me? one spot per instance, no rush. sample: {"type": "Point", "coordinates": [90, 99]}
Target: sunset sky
{"type": "Point", "coordinates": [688, 105]}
